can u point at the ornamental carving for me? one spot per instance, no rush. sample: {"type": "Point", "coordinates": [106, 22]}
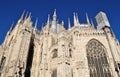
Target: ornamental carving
{"type": "Point", "coordinates": [97, 59]}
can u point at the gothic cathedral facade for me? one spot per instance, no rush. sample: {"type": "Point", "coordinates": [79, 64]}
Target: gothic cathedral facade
{"type": "Point", "coordinates": [79, 51]}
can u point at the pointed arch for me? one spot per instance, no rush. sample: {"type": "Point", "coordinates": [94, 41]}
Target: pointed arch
{"type": "Point", "coordinates": [97, 59]}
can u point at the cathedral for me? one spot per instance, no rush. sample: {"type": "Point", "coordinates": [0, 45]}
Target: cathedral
{"type": "Point", "coordinates": [82, 50]}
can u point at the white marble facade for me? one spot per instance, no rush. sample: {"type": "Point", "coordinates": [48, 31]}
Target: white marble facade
{"type": "Point", "coordinates": [79, 51]}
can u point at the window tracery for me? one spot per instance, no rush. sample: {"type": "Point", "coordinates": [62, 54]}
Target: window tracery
{"type": "Point", "coordinates": [97, 59]}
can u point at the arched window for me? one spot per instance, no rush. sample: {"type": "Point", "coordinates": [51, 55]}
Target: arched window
{"type": "Point", "coordinates": [54, 73]}
{"type": "Point", "coordinates": [97, 59]}
{"type": "Point", "coordinates": [54, 53]}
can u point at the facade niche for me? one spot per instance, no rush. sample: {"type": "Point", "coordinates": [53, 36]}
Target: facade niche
{"type": "Point", "coordinates": [54, 53]}
{"type": "Point", "coordinates": [70, 53]}
{"type": "Point", "coordinates": [54, 73]}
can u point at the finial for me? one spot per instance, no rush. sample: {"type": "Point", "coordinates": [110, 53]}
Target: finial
{"type": "Point", "coordinates": [69, 25]}
{"type": "Point", "coordinates": [54, 15]}
{"type": "Point", "coordinates": [88, 21]}
{"type": "Point", "coordinates": [48, 21]}
{"type": "Point", "coordinates": [36, 23]}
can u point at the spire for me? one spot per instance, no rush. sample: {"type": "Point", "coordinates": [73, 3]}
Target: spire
{"type": "Point", "coordinates": [55, 15]}
{"type": "Point", "coordinates": [54, 22]}
{"type": "Point", "coordinates": [48, 21]}
{"type": "Point", "coordinates": [11, 27]}
{"type": "Point", "coordinates": [69, 25]}
{"type": "Point", "coordinates": [22, 16]}
{"type": "Point", "coordinates": [92, 23]}
{"type": "Point", "coordinates": [27, 20]}
{"type": "Point", "coordinates": [26, 15]}
{"type": "Point", "coordinates": [88, 21]}
{"type": "Point", "coordinates": [35, 27]}
{"type": "Point", "coordinates": [63, 28]}
{"type": "Point", "coordinates": [75, 20]}
{"type": "Point", "coordinates": [29, 17]}
{"type": "Point", "coordinates": [36, 23]}
{"type": "Point", "coordinates": [30, 14]}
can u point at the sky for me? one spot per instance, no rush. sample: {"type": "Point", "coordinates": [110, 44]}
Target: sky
{"type": "Point", "coordinates": [11, 10]}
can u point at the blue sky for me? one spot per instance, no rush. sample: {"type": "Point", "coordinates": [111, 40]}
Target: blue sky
{"type": "Point", "coordinates": [11, 10]}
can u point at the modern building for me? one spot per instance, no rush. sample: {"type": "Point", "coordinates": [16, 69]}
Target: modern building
{"type": "Point", "coordinates": [79, 51]}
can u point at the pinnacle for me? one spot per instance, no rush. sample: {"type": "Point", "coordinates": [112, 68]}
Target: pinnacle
{"type": "Point", "coordinates": [88, 21]}
{"type": "Point", "coordinates": [69, 25]}
{"type": "Point", "coordinates": [36, 23]}
{"type": "Point", "coordinates": [55, 15]}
